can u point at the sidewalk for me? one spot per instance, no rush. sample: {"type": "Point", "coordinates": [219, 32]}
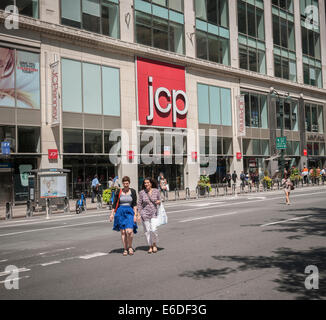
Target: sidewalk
{"type": "Point", "coordinates": [19, 211]}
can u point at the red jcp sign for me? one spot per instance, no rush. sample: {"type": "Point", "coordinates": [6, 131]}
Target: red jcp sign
{"type": "Point", "coordinates": [162, 98]}
{"type": "Point", "coordinates": [53, 154]}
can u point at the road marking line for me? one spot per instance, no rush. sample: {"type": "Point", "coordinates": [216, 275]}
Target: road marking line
{"type": "Point", "coordinates": [93, 255]}
{"type": "Point", "coordinates": [206, 204]}
{"type": "Point", "coordinates": [3, 260]}
{"type": "Point", "coordinates": [283, 221]}
{"type": "Point", "coordinates": [16, 279]}
{"type": "Point", "coordinates": [208, 217]}
{"type": "Point", "coordinates": [58, 219]}
{"type": "Point", "coordinates": [50, 263]}
{"type": "Point", "coordinates": [57, 250]}
{"type": "Point", "coordinates": [52, 228]}
{"type": "Point", "coordinates": [18, 270]}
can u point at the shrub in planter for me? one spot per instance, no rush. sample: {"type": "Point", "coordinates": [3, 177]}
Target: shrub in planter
{"type": "Point", "coordinates": [107, 195]}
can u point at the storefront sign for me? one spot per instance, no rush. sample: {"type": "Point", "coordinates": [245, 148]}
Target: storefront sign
{"type": "Point", "coordinates": [241, 116]}
{"type": "Point", "coordinates": [239, 155]}
{"type": "Point", "coordinates": [305, 152]}
{"type": "Point", "coordinates": [252, 163]}
{"type": "Point", "coordinates": [55, 97]}
{"type": "Point", "coordinates": [130, 155]}
{"type": "Point", "coordinates": [53, 154]}
{"type": "Point", "coordinates": [194, 156]}
{"type": "Point", "coordinates": [162, 98]}
{"type": "Point", "coordinates": [167, 150]}
{"type": "Point", "coordinates": [5, 148]}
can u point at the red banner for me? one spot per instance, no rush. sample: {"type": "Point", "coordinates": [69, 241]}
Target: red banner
{"type": "Point", "coordinates": [53, 154]}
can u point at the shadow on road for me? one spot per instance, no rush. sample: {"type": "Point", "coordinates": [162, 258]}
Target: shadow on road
{"type": "Point", "coordinates": [311, 226]}
{"type": "Point", "coordinates": [291, 265]}
{"type": "Point", "coordinates": [142, 248]}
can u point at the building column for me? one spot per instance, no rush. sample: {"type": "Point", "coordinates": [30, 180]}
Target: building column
{"type": "Point", "coordinates": [298, 41]}
{"type": "Point", "coordinates": [236, 165]}
{"type": "Point", "coordinates": [322, 23]}
{"type": "Point", "coordinates": [126, 21]}
{"type": "Point", "coordinates": [50, 11]}
{"type": "Point", "coordinates": [234, 43]}
{"type": "Point", "coordinates": [190, 29]}
{"type": "Point", "coordinates": [268, 37]}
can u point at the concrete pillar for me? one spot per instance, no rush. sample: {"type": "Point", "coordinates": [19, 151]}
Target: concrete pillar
{"type": "Point", "coordinates": [126, 21]}
{"type": "Point", "coordinates": [298, 41]}
{"type": "Point", "coordinates": [322, 23]}
{"type": "Point", "coordinates": [50, 11]}
{"type": "Point", "coordinates": [234, 43]}
{"type": "Point", "coordinates": [268, 37]}
{"type": "Point", "coordinates": [236, 165]}
{"type": "Point", "coordinates": [190, 22]}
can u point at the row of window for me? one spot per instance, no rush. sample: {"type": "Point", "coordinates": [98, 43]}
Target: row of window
{"type": "Point", "coordinates": [160, 24]}
{"type": "Point", "coordinates": [211, 146]}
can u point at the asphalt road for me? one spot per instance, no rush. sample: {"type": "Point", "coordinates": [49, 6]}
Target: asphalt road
{"type": "Point", "coordinates": [249, 247]}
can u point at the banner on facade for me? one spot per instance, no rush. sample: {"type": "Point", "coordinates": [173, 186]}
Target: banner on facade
{"type": "Point", "coordinates": [241, 116]}
{"type": "Point", "coordinates": [55, 96]}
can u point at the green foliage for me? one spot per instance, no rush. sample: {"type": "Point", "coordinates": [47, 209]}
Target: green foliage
{"type": "Point", "coordinates": [107, 195]}
{"type": "Point", "coordinates": [295, 175]}
{"type": "Point", "coordinates": [267, 180]}
{"type": "Point", "coordinates": [204, 182]}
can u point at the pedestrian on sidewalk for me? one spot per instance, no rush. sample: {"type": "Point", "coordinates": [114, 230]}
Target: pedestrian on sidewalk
{"type": "Point", "coordinates": [163, 186]}
{"type": "Point", "coordinates": [148, 201]}
{"type": "Point", "coordinates": [288, 187]}
{"type": "Point", "coordinates": [125, 215]}
{"type": "Point", "coordinates": [95, 187]}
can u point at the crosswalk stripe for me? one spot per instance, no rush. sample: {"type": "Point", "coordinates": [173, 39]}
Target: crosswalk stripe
{"type": "Point", "coordinates": [93, 255]}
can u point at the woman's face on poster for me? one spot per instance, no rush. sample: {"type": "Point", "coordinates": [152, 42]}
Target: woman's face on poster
{"type": "Point", "coordinates": [6, 62]}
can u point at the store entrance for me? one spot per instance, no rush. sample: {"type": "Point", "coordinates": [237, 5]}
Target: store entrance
{"type": "Point", "coordinates": [173, 173]}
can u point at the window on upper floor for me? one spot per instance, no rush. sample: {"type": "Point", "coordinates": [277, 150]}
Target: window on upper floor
{"type": "Point", "coordinates": [25, 7]}
{"type": "Point", "coordinates": [213, 11]}
{"type": "Point", "coordinates": [288, 109]}
{"type": "Point", "coordinates": [100, 16]}
{"type": "Point", "coordinates": [160, 24]}
{"type": "Point", "coordinates": [286, 5]}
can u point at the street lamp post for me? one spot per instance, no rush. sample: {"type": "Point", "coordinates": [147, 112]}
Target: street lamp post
{"type": "Point", "coordinates": [273, 91]}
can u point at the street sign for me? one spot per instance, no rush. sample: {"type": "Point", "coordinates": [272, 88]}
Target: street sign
{"type": "Point", "coordinates": [5, 148]}
{"type": "Point", "coordinates": [281, 143]}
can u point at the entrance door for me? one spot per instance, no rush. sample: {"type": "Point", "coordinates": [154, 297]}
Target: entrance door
{"type": "Point", "coordinates": [6, 186]}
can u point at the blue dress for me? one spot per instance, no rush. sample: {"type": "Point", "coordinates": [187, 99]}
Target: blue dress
{"type": "Point", "coordinates": [124, 219]}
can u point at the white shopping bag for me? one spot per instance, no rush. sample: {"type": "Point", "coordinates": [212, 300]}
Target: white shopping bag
{"type": "Point", "coordinates": [161, 218]}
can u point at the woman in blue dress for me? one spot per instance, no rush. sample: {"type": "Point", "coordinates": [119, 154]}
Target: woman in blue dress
{"type": "Point", "coordinates": [125, 215]}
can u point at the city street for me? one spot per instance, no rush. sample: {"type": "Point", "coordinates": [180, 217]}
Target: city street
{"type": "Point", "coordinates": [246, 247]}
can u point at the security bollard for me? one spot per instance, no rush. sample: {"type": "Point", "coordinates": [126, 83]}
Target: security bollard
{"type": "Point", "coordinates": [8, 210]}
{"type": "Point", "coordinates": [216, 191]}
{"type": "Point", "coordinates": [187, 193]}
{"type": "Point", "coordinates": [66, 208]}
{"type": "Point", "coordinates": [197, 192]}
{"type": "Point", "coordinates": [48, 209]}
{"type": "Point", "coordinates": [176, 192]}
{"type": "Point", "coordinates": [233, 188]}
{"type": "Point", "coordinates": [29, 209]}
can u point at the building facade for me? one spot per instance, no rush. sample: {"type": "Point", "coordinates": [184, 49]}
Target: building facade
{"type": "Point", "coordinates": [91, 86]}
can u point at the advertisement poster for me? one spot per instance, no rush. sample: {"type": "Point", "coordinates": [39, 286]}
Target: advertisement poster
{"type": "Point", "coordinates": [53, 186]}
{"type": "Point", "coordinates": [19, 79]}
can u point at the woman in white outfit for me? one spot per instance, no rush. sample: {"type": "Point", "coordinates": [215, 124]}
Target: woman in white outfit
{"type": "Point", "coordinates": [148, 201]}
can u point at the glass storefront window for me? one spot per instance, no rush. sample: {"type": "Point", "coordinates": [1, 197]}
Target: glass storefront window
{"type": "Point", "coordinates": [256, 110]}
{"type": "Point", "coordinates": [29, 139]}
{"type": "Point", "coordinates": [93, 141]}
{"type": "Point", "coordinates": [296, 148]}
{"type": "Point", "coordinates": [112, 142]}
{"type": "Point", "coordinates": [227, 146]}
{"type": "Point", "coordinates": [320, 119]}
{"type": "Point", "coordinates": [90, 88]}
{"type": "Point", "coordinates": [8, 134]}
{"type": "Point", "coordinates": [19, 79]}
{"type": "Point", "coordinates": [73, 141]}
{"type": "Point", "coordinates": [290, 117]}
